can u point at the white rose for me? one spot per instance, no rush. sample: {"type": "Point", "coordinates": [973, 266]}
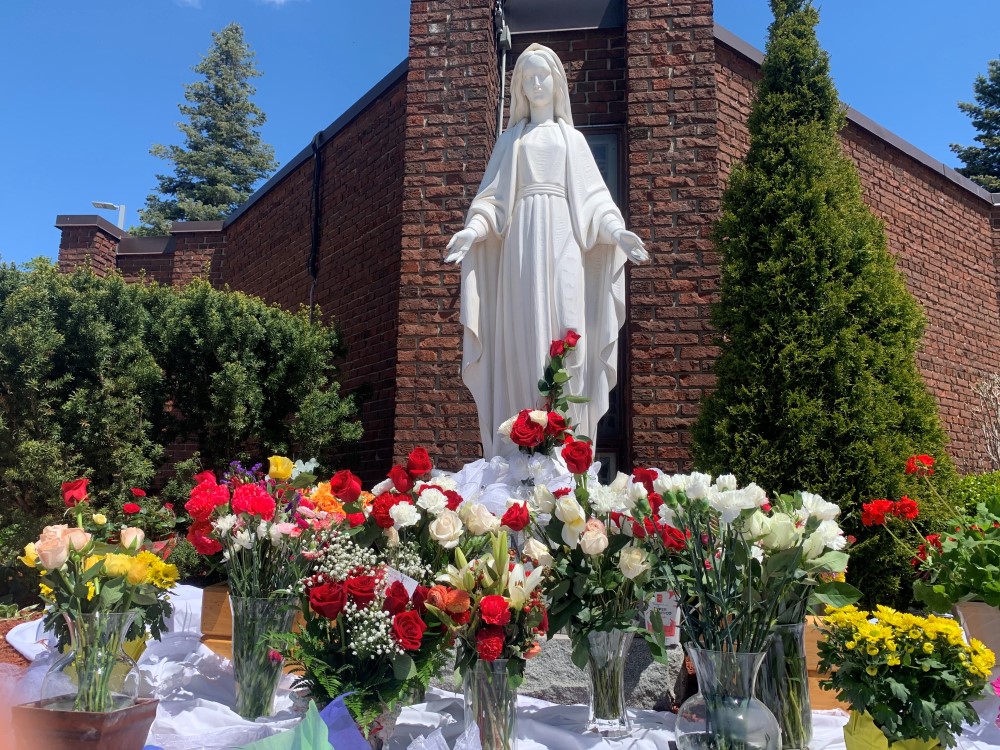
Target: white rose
{"type": "Point", "coordinates": [382, 487]}
{"type": "Point", "coordinates": [392, 537]}
{"type": "Point", "coordinates": [574, 520]}
{"type": "Point", "coordinates": [595, 539]}
{"type": "Point", "coordinates": [478, 519]}
{"type": "Point", "coordinates": [782, 534]}
{"type": "Point", "coordinates": [758, 526]}
{"type": "Point", "coordinates": [726, 482]}
{"type": "Point", "coordinates": [403, 515]}
{"type": "Point", "coordinates": [542, 500]}
{"type": "Point", "coordinates": [632, 562]}
{"type": "Point", "coordinates": [535, 550]}
{"type": "Point", "coordinates": [446, 529]}
{"type": "Point", "coordinates": [539, 417]}
{"type": "Point", "coordinates": [433, 501]}
{"type": "Point", "coordinates": [505, 427]}
{"type": "Point", "coordinates": [816, 506]}
{"type": "Point", "coordinates": [828, 535]}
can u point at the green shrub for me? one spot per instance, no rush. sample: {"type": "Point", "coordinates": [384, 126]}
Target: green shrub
{"type": "Point", "coordinates": [973, 489]}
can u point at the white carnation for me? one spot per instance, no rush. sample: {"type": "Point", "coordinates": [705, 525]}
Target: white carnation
{"type": "Point", "coordinates": [814, 505]}
{"type": "Point", "coordinates": [726, 482]}
{"type": "Point", "coordinates": [403, 515]}
{"type": "Point", "coordinates": [828, 535]}
{"type": "Point", "coordinates": [604, 500]}
{"type": "Point", "coordinates": [224, 524]}
{"type": "Point", "coordinates": [433, 501]}
{"type": "Point", "coordinates": [731, 503]}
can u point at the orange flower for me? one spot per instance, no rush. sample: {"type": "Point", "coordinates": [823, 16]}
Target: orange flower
{"type": "Point", "coordinates": [449, 600]}
{"type": "Point", "coordinates": [324, 500]}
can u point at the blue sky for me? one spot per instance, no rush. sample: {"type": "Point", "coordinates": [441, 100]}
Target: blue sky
{"type": "Point", "coordinates": [89, 85]}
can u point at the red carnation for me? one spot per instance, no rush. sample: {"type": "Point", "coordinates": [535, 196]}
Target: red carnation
{"type": "Point", "coordinates": [572, 338]}
{"type": "Point", "coordinates": [206, 476]}
{"type": "Point", "coordinates": [494, 609]}
{"type": "Point", "coordinates": [204, 499]}
{"type": "Point", "coordinates": [557, 348]}
{"type": "Point", "coordinates": [361, 589]}
{"type": "Point", "coordinates": [489, 643]}
{"type": "Point", "coordinates": [922, 464]}
{"type": "Point", "coordinates": [381, 507]}
{"type": "Point", "coordinates": [328, 599]}
{"type": "Point", "coordinates": [874, 513]}
{"type": "Point", "coordinates": [253, 500]}
{"type": "Point", "coordinates": [396, 598]}
{"type": "Point", "coordinates": [578, 456]}
{"type": "Point", "coordinates": [131, 509]}
{"type": "Point", "coordinates": [557, 424]}
{"type": "Point", "coordinates": [644, 529]}
{"type": "Point", "coordinates": [355, 519]}
{"type": "Point", "coordinates": [401, 479]}
{"type": "Point", "coordinates": [905, 508]}
{"type": "Point", "coordinates": [137, 492]}
{"type": "Point", "coordinates": [345, 486]}
{"type": "Point", "coordinates": [516, 517]}
{"type": "Point", "coordinates": [418, 463]}
{"type": "Point", "coordinates": [645, 477]}
{"type": "Point", "coordinates": [75, 492]}
{"type": "Point", "coordinates": [198, 535]}
{"type": "Point", "coordinates": [525, 432]}
{"type": "Point", "coordinates": [408, 629]}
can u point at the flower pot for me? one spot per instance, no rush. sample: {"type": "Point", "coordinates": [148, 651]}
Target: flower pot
{"type": "Point", "coordinates": [861, 733]}
{"type": "Point", "coordinates": [606, 666]}
{"type": "Point", "coordinates": [491, 704]}
{"type": "Point", "coordinates": [982, 622]}
{"type": "Point", "coordinates": [126, 728]}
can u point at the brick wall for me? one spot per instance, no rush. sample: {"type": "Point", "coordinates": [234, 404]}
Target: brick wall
{"type": "Point", "coordinates": [941, 236]}
{"type": "Point", "coordinates": [452, 89]}
{"type": "Point", "coordinates": [267, 248]}
{"type": "Point", "coordinates": [674, 190]}
{"type": "Point", "coordinates": [88, 240]}
{"type": "Point", "coordinates": [157, 267]}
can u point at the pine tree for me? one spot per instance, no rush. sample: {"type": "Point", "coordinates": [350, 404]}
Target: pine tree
{"type": "Point", "coordinates": [223, 156]}
{"type": "Point", "coordinates": [817, 383]}
{"type": "Point", "coordinates": [982, 163]}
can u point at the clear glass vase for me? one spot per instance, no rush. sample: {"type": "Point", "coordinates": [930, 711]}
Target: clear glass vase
{"type": "Point", "coordinates": [723, 714]}
{"type": "Point", "coordinates": [491, 704]}
{"type": "Point", "coordinates": [379, 732]}
{"type": "Point", "coordinates": [784, 685]}
{"type": "Point", "coordinates": [256, 665]}
{"type": "Point", "coordinates": [95, 675]}
{"type": "Point", "coordinates": [606, 666]}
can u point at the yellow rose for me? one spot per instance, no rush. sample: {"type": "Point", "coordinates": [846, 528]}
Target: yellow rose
{"type": "Point", "coordinates": [100, 519]}
{"type": "Point", "coordinates": [138, 569]}
{"type": "Point", "coordinates": [280, 468]}
{"type": "Point", "coordinates": [116, 566]}
{"type": "Point", "coordinates": [30, 557]}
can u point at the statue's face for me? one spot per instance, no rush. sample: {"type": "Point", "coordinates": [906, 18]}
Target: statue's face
{"type": "Point", "coordinates": [537, 81]}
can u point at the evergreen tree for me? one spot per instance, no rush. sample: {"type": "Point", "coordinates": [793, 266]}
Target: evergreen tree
{"type": "Point", "coordinates": [982, 163]}
{"type": "Point", "coordinates": [817, 383]}
{"type": "Point", "coordinates": [223, 156]}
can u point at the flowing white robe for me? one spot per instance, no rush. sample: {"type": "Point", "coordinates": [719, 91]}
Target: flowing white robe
{"type": "Point", "coordinates": [545, 263]}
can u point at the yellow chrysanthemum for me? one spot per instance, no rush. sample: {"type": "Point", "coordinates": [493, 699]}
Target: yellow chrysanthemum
{"type": "Point", "coordinates": [44, 591]}
{"type": "Point", "coordinates": [892, 660]}
{"type": "Point", "coordinates": [928, 648]}
{"type": "Point", "coordinates": [871, 670]}
{"type": "Point", "coordinates": [164, 575]}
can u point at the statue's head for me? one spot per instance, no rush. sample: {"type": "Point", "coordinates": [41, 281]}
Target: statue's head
{"type": "Point", "coordinates": [534, 59]}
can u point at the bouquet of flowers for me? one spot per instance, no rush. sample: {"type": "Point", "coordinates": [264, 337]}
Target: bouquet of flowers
{"type": "Point", "coordinates": [367, 630]}
{"type": "Point", "coordinates": [908, 677]}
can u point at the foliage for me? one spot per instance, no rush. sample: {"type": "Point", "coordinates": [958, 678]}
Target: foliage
{"type": "Point", "coordinates": [97, 376]}
{"type": "Point", "coordinates": [817, 383]}
{"type": "Point", "coordinates": [973, 489]}
{"type": "Point", "coordinates": [223, 156]}
{"type": "Point", "coordinates": [915, 676]}
{"type": "Point", "coordinates": [982, 162]}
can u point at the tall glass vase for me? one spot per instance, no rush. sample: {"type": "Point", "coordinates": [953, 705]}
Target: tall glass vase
{"type": "Point", "coordinates": [784, 685]}
{"type": "Point", "coordinates": [606, 666]}
{"type": "Point", "coordinates": [724, 715]}
{"type": "Point", "coordinates": [491, 704]}
{"type": "Point", "coordinates": [256, 665]}
{"type": "Point", "coordinates": [95, 675]}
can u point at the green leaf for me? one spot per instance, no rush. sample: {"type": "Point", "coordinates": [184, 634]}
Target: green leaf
{"type": "Point", "coordinates": [581, 652]}
{"type": "Point", "coordinates": [577, 399]}
{"type": "Point", "coordinates": [403, 667]}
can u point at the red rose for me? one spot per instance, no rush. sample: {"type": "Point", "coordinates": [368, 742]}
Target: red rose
{"type": "Point", "coordinates": [198, 535]}
{"type": "Point", "coordinates": [345, 486]}
{"type": "Point", "coordinates": [418, 463]}
{"type": "Point", "coordinates": [361, 589]}
{"type": "Point", "coordinates": [396, 598]}
{"type": "Point", "coordinates": [557, 348]}
{"type": "Point", "coordinates": [516, 517]}
{"type": "Point", "coordinates": [874, 513]}
{"type": "Point", "coordinates": [131, 509]}
{"type": "Point", "coordinates": [673, 539]}
{"type": "Point", "coordinates": [561, 492]}
{"type": "Point", "coordinates": [645, 477]}
{"type": "Point", "coordinates": [557, 424]}
{"type": "Point", "coordinates": [408, 629]}
{"type": "Point", "coordinates": [921, 464]}
{"type": "Point", "coordinates": [644, 529]}
{"type": "Point", "coordinates": [401, 479]}
{"type": "Point", "coordinates": [75, 492]}
{"type": "Point", "coordinates": [205, 476]}
{"type": "Point", "coordinates": [355, 519]}
{"type": "Point", "coordinates": [420, 598]}
{"type": "Point", "coordinates": [572, 338]}
{"type": "Point", "coordinates": [489, 643]}
{"type": "Point", "coordinates": [494, 609]}
{"type": "Point", "coordinates": [328, 599]}
{"type": "Point", "coordinates": [381, 507]}
{"type": "Point", "coordinates": [136, 492]}
{"type": "Point", "coordinates": [578, 456]}
{"type": "Point", "coordinates": [525, 432]}
{"type": "Point", "coordinates": [905, 508]}
{"type": "Point", "coordinates": [454, 499]}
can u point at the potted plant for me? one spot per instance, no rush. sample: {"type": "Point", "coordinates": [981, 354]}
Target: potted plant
{"type": "Point", "coordinates": [909, 680]}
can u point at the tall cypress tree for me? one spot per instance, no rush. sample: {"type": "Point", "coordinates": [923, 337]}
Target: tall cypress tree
{"type": "Point", "coordinates": [223, 156]}
{"type": "Point", "coordinates": [817, 382]}
{"type": "Point", "coordinates": [982, 163]}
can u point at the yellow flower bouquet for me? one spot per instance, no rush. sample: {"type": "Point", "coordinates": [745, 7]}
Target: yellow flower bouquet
{"type": "Point", "coordinates": [908, 678]}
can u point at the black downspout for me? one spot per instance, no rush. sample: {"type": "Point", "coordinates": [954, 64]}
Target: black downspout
{"type": "Point", "coordinates": [312, 265]}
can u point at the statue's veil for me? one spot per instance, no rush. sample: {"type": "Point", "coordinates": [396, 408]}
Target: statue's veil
{"type": "Point", "coordinates": [519, 107]}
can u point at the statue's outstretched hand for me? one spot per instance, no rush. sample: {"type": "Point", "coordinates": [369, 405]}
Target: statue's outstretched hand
{"type": "Point", "coordinates": [632, 246]}
{"type": "Point", "coordinates": [460, 245]}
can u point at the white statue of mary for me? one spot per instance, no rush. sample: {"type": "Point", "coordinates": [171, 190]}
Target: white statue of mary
{"type": "Point", "coordinates": [542, 252]}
